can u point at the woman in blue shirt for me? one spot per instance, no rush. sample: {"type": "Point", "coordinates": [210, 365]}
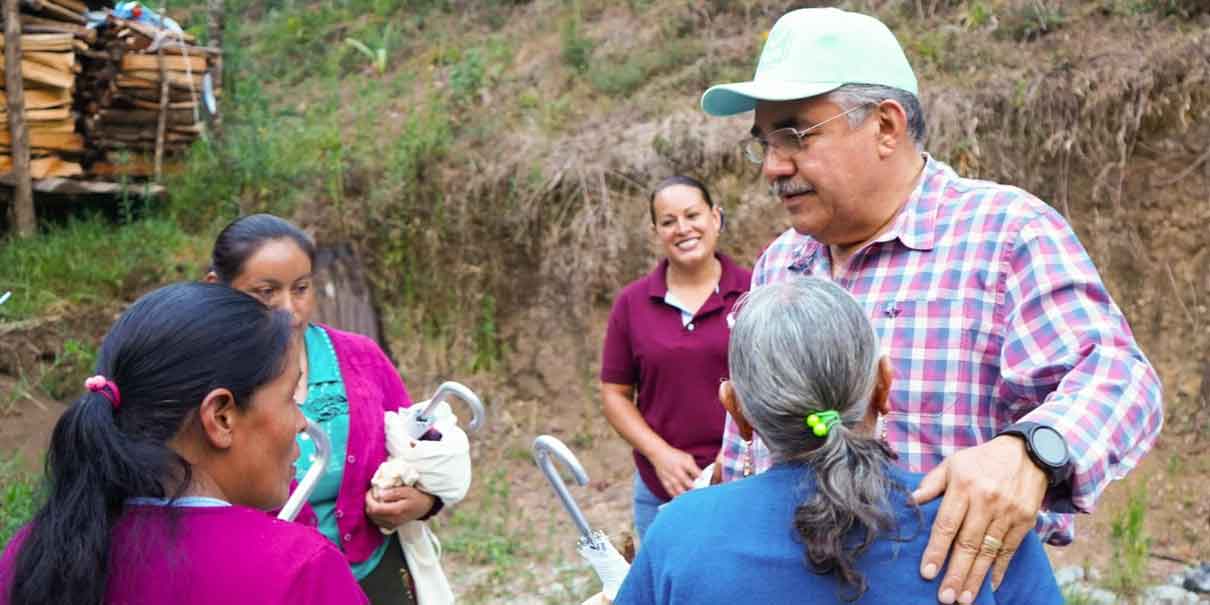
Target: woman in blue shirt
{"type": "Point", "coordinates": [832, 520]}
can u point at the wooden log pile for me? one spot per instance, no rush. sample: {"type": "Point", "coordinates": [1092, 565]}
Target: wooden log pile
{"type": "Point", "coordinates": [141, 92]}
{"type": "Point", "coordinates": [119, 98]}
{"type": "Point", "coordinates": [53, 36]}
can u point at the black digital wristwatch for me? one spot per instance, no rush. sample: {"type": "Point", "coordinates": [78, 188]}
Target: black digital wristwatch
{"type": "Point", "coordinates": [1046, 447]}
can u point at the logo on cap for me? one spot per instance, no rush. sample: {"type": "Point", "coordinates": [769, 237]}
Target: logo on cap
{"type": "Point", "coordinates": [776, 48]}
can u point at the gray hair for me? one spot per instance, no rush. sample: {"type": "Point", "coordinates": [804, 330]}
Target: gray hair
{"type": "Point", "coordinates": [802, 347]}
{"type": "Point", "coordinates": [799, 347]}
{"type": "Point", "coordinates": [850, 96]}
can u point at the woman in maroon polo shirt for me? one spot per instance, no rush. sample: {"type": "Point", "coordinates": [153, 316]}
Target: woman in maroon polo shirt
{"type": "Point", "coordinates": [667, 341]}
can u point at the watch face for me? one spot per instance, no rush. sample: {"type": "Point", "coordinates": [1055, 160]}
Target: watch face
{"type": "Point", "coordinates": [1048, 445]}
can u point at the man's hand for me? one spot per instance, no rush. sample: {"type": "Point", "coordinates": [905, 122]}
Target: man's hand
{"type": "Point", "coordinates": [992, 495]}
{"type": "Point", "coordinates": [394, 506]}
{"type": "Point", "coordinates": [676, 470]}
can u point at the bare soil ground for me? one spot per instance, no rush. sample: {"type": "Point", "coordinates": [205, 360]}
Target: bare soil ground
{"type": "Point", "coordinates": [1143, 219]}
{"type": "Point", "coordinates": [25, 425]}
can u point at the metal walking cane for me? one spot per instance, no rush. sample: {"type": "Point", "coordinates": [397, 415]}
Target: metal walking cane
{"type": "Point", "coordinates": [547, 447]}
{"type": "Point", "coordinates": [319, 462]}
{"type": "Point", "coordinates": [423, 420]}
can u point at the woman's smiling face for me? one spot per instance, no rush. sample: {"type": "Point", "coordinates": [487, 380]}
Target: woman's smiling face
{"type": "Point", "coordinates": [685, 224]}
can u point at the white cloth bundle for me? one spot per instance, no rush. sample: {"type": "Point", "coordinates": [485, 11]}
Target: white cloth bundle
{"type": "Point", "coordinates": [441, 468]}
{"type": "Point", "coordinates": [610, 566]}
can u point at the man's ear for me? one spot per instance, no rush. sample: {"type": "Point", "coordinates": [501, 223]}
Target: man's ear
{"type": "Point", "coordinates": [892, 127]}
{"type": "Point", "coordinates": [211, 277]}
{"type": "Point", "coordinates": [218, 416]}
{"type": "Point", "coordinates": [881, 399]}
{"type": "Point", "coordinates": [726, 394]}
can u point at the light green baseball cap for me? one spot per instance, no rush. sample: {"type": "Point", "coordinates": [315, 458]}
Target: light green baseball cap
{"type": "Point", "coordinates": [811, 51]}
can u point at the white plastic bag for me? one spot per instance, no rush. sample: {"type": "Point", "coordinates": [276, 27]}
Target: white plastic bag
{"type": "Point", "coordinates": [441, 468]}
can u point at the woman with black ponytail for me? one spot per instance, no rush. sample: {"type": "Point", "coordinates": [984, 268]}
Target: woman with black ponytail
{"type": "Point", "coordinates": [159, 476]}
{"type": "Point", "coordinates": [832, 519]}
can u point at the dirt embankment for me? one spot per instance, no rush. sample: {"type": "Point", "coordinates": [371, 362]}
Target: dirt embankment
{"type": "Point", "coordinates": [1103, 114]}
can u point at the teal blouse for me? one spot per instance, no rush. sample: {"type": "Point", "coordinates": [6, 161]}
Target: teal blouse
{"type": "Point", "coordinates": [328, 406]}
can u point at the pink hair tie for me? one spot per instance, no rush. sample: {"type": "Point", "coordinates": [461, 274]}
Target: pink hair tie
{"type": "Point", "coordinates": [107, 389]}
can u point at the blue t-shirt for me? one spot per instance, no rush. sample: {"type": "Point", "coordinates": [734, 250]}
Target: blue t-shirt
{"type": "Point", "coordinates": [735, 543]}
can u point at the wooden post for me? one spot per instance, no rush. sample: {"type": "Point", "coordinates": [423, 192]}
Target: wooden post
{"type": "Point", "coordinates": [215, 23]}
{"type": "Point", "coordinates": [24, 220]}
{"type": "Point", "coordinates": [214, 10]}
{"type": "Point", "coordinates": [162, 127]}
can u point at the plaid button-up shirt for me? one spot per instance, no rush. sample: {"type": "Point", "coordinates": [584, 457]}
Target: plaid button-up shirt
{"type": "Point", "coordinates": [991, 312]}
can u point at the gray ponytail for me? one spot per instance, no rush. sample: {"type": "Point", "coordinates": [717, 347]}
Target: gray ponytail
{"type": "Point", "coordinates": [802, 347]}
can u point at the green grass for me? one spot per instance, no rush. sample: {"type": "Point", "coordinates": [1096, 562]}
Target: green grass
{"type": "Point", "coordinates": [479, 530]}
{"type": "Point", "coordinates": [18, 497]}
{"type": "Point", "coordinates": [1131, 545]}
{"type": "Point", "coordinates": [22, 389]}
{"type": "Point", "coordinates": [87, 261]}
{"type": "Point", "coordinates": [621, 76]}
{"type": "Point", "coordinates": [70, 368]}
{"type": "Point", "coordinates": [576, 47]}
{"type": "Point", "coordinates": [1076, 596]}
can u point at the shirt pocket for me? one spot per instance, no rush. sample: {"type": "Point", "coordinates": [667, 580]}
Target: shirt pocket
{"type": "Point", "coordinates": [942, 352]}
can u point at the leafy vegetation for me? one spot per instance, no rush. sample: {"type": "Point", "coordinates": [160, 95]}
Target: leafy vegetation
{"type": "Point", "coordinates": [71, 366]}
{"type": "Point", "coordinates": [1131, 545]}
{"type": "Point", "coordinates": [461, 145]}
{"type": "Point", "coordinates": [621, 76]}
{"type": "Point", "coordinates": [481, 532]}
{"type": "Point", "coordinates": [18, 497]}
{"type": "Point", "coordinates": [577, 48]}
{"type": "Point", "coordinates": [88, 261]}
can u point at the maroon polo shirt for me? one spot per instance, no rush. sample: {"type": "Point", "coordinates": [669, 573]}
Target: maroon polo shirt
{"type": "Point", "coordinates": [676, 368]}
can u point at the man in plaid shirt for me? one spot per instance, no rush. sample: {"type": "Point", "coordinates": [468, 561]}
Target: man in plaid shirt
{"type": "Point", "coordinates": [1018, 385]}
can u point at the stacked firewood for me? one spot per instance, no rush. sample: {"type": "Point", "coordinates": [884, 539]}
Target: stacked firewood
{"type": "Point", "coordinates": [53, 36]}
{"type": "Point", "coordinates": [106, 96]}
{"type": "Point", "coordinates": [142, 92]}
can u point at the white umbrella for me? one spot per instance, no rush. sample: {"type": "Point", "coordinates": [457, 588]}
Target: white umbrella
{"type": "Point", "coordinates": [319, 461]}
{"type": "Point", "coordinates": [593, 545]}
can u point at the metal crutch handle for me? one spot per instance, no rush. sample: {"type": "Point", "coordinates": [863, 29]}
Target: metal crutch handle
{"type": "Point", "coordinates": [319, 462]}
{"type": "Point", "coordinates": [461, 391]}
{"type": "Point", "coordinates": [547, 447]}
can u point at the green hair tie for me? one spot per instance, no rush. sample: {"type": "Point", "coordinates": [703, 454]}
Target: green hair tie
{"type": "Point", "coordinates": [821, 422]}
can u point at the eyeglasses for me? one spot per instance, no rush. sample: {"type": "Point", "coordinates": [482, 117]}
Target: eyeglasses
{"type": "Point", "coordinates": [785, 141]}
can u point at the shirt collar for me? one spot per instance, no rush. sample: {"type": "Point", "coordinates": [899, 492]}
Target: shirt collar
{"type": "Point", "coordinates": [731, 280]}
{"type": "Point", "coordinates": [915, 225]}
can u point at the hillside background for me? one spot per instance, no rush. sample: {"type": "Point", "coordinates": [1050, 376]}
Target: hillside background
{"type": "Point", "coordinates": [489, 162]}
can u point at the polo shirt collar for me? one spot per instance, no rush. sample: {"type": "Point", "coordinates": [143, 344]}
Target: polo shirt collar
{"type": "Point", "coordinates": [657, 281]}
{"type": "Point", "coordinates": [731, 280]}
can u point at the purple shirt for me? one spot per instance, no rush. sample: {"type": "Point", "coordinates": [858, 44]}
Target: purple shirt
{"type": "Point", "coordinates": [373, 387]}
{"type": "Point", "coordinates": [203, 555]}
{"type": "Point", "coordinates": [676, 366]}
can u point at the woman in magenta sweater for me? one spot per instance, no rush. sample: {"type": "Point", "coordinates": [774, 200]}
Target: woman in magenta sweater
{"type": "Point", "coordinates": [160, 476]}
{"type": "Point", "coordinates": [347, 385]}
